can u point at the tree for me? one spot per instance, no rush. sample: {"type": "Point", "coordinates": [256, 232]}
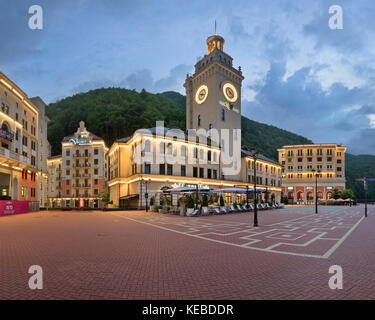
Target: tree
{"type": "Point", "coordinates": [347, 194]}
{"type": "Point", "coordinates": [336, 194]}
{"type": "Point", "coordinates": [104, 196]}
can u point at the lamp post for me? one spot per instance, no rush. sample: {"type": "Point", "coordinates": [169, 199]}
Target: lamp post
{"type": "Point", "coordinates": [316, 172]}
{"type": "Point", "coordinates": [146, 194]}
{"type": "Point", "coordinates": [255, 157]}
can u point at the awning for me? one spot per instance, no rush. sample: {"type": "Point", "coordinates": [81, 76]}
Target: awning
{"type": "Point", "coordinates": [186, 190]}
{"type": "Point", "coordinates": [130, 196]}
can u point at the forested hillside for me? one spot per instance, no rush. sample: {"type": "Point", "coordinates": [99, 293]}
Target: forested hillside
{"type": "Point", "coordinates": [114, 113]}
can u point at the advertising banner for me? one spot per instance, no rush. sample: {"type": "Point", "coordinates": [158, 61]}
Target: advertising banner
{"type": "Point", "coordinates": [10, 207]}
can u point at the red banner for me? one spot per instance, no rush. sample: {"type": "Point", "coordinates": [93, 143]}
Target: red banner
{"type": "Point", "coordinates": [9, 207]}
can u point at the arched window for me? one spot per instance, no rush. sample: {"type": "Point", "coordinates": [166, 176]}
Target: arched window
{"type": "Point", "coordinates": [147, 146]}
{"type": "Point", "coordinates": [183, 151]}
{"type": "Point", "coordinates": [199, 120]}
{"type": "Point", "coordinates": [169, 149]}
{"type": "Point", "coordinates": [5, 127]}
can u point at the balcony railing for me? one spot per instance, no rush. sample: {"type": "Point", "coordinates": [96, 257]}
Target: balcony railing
{"type": "Point", "coordinates": [86, 186]}
{"type": "Point", "coordinates": [82, 155]}
{"type": "Point", "coordinates": [77, 175]}
{"type": "Point", "coordinates": [14, 156]}
{"type": "Point", "coordinates": [77, 185]}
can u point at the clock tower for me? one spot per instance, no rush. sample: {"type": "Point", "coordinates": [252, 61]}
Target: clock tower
{"type": "Point", "coordinates": [213, 92]}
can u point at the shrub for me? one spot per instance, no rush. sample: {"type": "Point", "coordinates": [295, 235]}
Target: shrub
{"type": "Point", "coordinates": [152, 201]}
{"type": "Point", "coordinates": [190, 203]}
{"type": "Point", "coordinates": [221, 201]}
{"type": "Point", "coordinates": [205, 201]}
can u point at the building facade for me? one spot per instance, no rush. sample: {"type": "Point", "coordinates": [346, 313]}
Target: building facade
{"type": "Point", "coordinates": [302, 164]}
{"type": "Point", "coordinates": [160, 158]}
{"type": "Point", "coordinates": [24, 145]}
{"type": "Point", "coordinates": [78, 176]}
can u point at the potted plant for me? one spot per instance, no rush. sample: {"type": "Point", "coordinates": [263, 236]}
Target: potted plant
{"type": "Point", "coordinates": [221, 201]}
{"type": "Point", "coordinates": [190, 204]}
{"type": "Point", "coordinates": [152, 203]}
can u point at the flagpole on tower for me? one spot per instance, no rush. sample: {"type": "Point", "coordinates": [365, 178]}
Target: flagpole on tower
{"type": "Point", "coordinates": [215, 27]}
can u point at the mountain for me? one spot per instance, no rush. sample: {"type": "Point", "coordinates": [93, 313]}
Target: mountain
{"type": "Point", "coordinates": [114, 113]}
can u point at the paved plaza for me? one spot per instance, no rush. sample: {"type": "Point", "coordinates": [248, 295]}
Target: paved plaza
{"type": "Point", "coordinates": [139, 255]}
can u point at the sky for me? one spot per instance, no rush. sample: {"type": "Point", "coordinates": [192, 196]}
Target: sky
{"type": "Point", "coordinates": [300, 75]}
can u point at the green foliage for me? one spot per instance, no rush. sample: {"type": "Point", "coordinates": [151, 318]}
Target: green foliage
{"type": "Point", "coordinates": [336, 194]}
{"type": "Point", "coordinates": [104, 196]}
{"type": "Point", "coordinates": [190, 202]}
{"type": "Point", "coordinates": [110, 113]}
{"type": "Point", "coordinates": [152, 200]}
{"type": "Point", "coordinates": [347, 194]}
{"type": "Point", "coordinates": [221, 201]}
{"type": "Point", "coordinates": [205, 201]}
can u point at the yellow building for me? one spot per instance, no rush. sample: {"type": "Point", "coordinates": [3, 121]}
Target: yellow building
{"type": "Point", "coordinates": [24, 146]}
{"type": "Point", "coordinates": [303, 163]}
{"type": "Point", "coordinates": [160, 158]}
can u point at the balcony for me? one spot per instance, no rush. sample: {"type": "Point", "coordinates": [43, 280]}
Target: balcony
{"type": "Point", "coordinates": [77, 165]}
{"type": "Point", "coordinates": [77, 185]}
{"type": "Point", "coordinates": [86, 186]}
{"type": "Point", "coordinates": [6, 153]}
{"type": "Point", "coordinates": [82, 155]}
{"type": "Point", "coordinates": [86, 175]}
{"type": "Point", "coordinates": [86, 165]}
{"type": "Point", "coordinates": [77, 175]}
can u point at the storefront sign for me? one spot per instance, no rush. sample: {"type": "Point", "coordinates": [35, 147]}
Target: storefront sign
{"type": "Point", "coordinates": [10, 207]}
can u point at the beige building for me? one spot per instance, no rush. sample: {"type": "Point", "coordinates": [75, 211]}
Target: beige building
{"type": "Point", "coordinates": [299, 161]}
{"type": "Point", "coordinates": [24, 146]}
{"type": "Point", "coordinates": [79, 175]}
{"type": "Point", "coordinates": [161, 158]}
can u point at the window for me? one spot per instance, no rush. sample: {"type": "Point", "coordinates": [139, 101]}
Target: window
{"type": "Point", "coordinates": [96, 151]}
{"type": "Point", "coordinates": [161, 147]}
{"type": "Point", "coordinates": [68, 182]}
{"type": "Point", "coordinates": [96, 191]}
{"type": "Point", "coordinates": [95, 171]}
{"type": "Point", "coordinates": [338, 168]}
{"type": "Point", "coordinates": [67, 172]}
{"type": "Point", "coordinates": [183, 151]}
{"type": "Point", "coordinates": [169, 149]}
{"type": "Point", "coordinates": [299, 159]}
{"type": "Point", "coordinates": [201, 173]}
{"type": "Point", "coordinates": [96, 181]}
{"type": "Point", "coordinates": [214, 174]}
{"type": "Point", "coordinates": [329, 159]}
{"type": "Point", "coordinates": [162, 168]}
{"type": "Point", "coordinates": [209, 156]}
{"type": "Point", "coordinates": [195, 172]}
{"type": "Point", "coordinates": [183, 171]}
{"type": "Point", "coordinates": [209, 173]}
{"type": "Point", "coordinates": [147, 168]}
{"type": "Point", "coordinates": [67, 152]}
{"type": "Point", "coordinates": [169, 170]}
{"type": "Point", "coordinates": [96, 161]}
{"type": "Point", "coordinates": [319, 159]}
{"type": "Point", "coordinates": [222, 114]}
{"type": "Point", "coordinates": [199, 120]}
{"type": "Point", "coordinates": [67, 162]}
{"type": "Point", "coordinates": [338, 160]}
{"type": "Point", "coordinates": [309, 159]}
{"type": "Point", "coordinates": [210, 129]}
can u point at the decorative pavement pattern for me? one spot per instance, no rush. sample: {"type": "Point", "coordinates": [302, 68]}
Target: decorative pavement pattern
{"type": "Point", "coordinates": [312, 235]}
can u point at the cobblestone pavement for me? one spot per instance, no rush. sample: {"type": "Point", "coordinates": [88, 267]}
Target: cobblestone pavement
{"type": "Point", "coordinates": [138, 255]}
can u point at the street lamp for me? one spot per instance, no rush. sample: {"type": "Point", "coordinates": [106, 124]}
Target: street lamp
{"type": "Point", "coordinates": [316, 188]}
{"type": "Point", "coordinates": [255, 157]}
{"type": "Point", "coordinates": [146, 193]}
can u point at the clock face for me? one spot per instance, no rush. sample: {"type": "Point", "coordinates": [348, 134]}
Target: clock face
{"type": "Point", "coordinates": [201, 94]}
{"type": "Point", "coordinates": [230, 92]}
